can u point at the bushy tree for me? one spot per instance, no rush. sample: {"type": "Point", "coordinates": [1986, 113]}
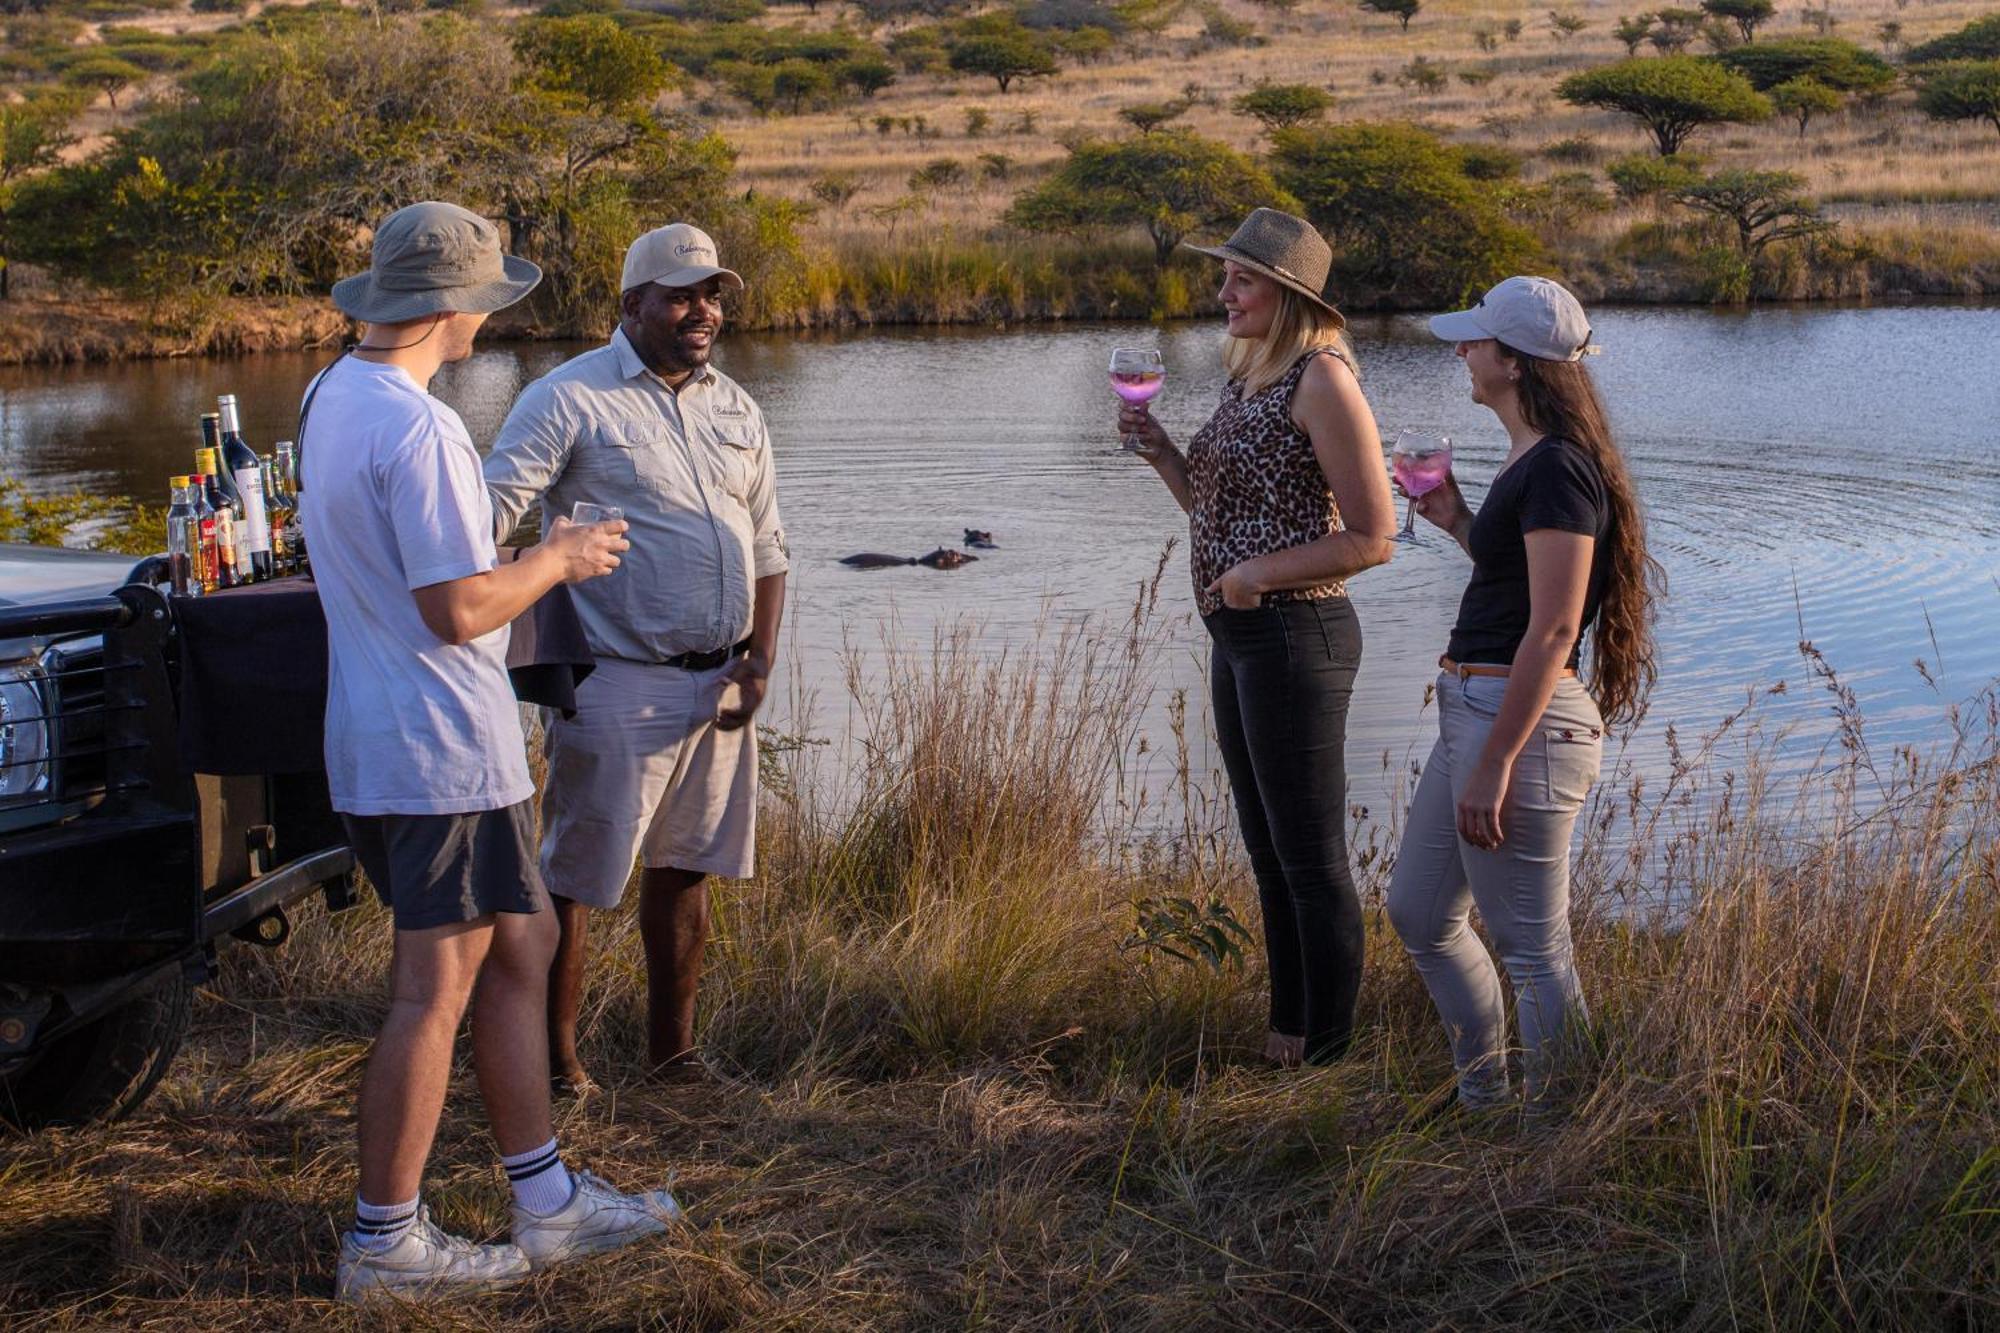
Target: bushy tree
{"type": "Point", "coordinates": [33, 133]}
{"type": "Point", "coordinates": [1566, 25]}
{"type": "Point", "coordinates": [1673, 96]}
{"type": "Point", "coordinates": [1977, 40]}
{"type": "Point", "coordinates": [105, 74]}
{"type": "Point", "coordinates": [1405, 220]}
{"type": "Point", "coordinates": [1146, 117]}
{"type": "Point", "coordinates": [1401, 10]}
{"type": "Point", "coordinates": [1643, 177]}
{"type": "Point", "coordinates": [1963, 90]}
{"type": "Point", "coordinates": [591, 61]}
{"type": "Point", "coordinates": [1279, 106]}
{"type": "Point", "coordinates": [1803, 98]}
{"type": "Point", "coordinates": [1831, 62]}
{"type": "Point", "coordinates": [1745, 14]}
{"type": "Point", "coordinates": [1171, 183]}
{"type": "Point", "coordinates": [1673, 28]}
{"type": "Point", "coordinates": [1002, 51]}
{"type": "Point", "coordinates": [1632, 31]}
{"type": "Point", "coordinates": [1763, 206]}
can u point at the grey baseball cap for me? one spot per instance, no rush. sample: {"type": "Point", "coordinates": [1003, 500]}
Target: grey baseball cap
{"type": "Point", "coordinates": [434, 257]}
{"type": "Point", "coordinates": [1533, 315]}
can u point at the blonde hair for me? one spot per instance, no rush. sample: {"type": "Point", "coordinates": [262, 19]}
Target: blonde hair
{"type": "Point", "coordinates": [1299, 327]}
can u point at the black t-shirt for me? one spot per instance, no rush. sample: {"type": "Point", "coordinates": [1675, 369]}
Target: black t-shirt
{"type": "Point", "coordinates": [1554, 485]}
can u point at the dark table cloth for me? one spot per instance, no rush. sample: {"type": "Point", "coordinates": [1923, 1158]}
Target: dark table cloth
{"type": "Point", "coordinates": [253, 673]}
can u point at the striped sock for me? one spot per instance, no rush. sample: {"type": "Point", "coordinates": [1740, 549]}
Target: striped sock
{"type": "Point", "coordinates": [377, 1227]}
{"type": "Point", "coordinates": [541, 1182]}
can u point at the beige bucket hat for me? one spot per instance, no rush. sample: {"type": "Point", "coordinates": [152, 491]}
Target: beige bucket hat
{"type": "Point", "coordinates": [1285, 249]}
{"type": "Point", "coordinates": [430, 258]}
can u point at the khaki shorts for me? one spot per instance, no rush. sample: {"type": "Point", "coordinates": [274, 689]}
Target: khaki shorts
{"type": "Point", "coordinates": [643, 772]}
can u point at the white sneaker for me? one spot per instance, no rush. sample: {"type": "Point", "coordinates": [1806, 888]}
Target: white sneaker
{"type": "Point", "coordinates": [596, 1218]}
{"type": "Point", "coordinates": [425, 1260]}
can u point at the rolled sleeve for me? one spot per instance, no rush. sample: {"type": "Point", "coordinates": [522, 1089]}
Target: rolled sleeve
{"type": "Point", "coordinates": [768, 550]}
{"type": "Point", "coordinates": [529, 454]}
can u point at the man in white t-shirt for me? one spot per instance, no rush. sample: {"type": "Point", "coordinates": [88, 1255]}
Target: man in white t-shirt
{"type": "Point", "coordinates": [427, 765]}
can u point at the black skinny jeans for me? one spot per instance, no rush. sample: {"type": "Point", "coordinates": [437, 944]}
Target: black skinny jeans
{"type": "Point", "coordinates": [1282, 676]}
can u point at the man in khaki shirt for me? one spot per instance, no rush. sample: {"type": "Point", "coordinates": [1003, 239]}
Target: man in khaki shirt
{"type": "Point", "coordinates": [660, 761]}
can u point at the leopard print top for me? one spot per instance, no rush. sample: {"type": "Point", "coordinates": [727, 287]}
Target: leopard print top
{"type": "Point", "coordinates": [1257, 487]}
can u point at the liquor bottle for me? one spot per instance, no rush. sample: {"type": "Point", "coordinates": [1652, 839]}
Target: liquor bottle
{"type": "Point", "coordinates": [229, 555]}
{"type": "Point", "coordinates": [183, 542]}
{"type": "Point", "coordinates": [279, 510]}
{"type": "Point", "coordinates": [288, 482]}
{"type": "Point", "coordinates": [248, 474]}
{"type": "Point", "coordinates": [204, 515]}
{"type": "Point", "coordinates": [220, 480]}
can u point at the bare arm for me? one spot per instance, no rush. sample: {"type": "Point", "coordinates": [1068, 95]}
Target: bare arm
{"type": "Point", "coordinates": [1558, 580]}
{"type": "Point", "coordinates": [461, 610]}
{"type": "Point", "coordinates": [1330, 409]}
{"type": "Point", "coordinates": [1135, 421]}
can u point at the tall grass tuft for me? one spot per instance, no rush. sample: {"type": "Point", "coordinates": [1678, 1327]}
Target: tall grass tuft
{"type": "Point", "coordinates": [951, 1091]}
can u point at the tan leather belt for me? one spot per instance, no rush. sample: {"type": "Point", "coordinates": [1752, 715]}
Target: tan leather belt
{"type": "Point", "coordinates": [1464, 669]}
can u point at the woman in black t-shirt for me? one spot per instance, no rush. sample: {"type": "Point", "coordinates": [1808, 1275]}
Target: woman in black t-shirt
{"type": "Point", "coordinates": [1558, 548]}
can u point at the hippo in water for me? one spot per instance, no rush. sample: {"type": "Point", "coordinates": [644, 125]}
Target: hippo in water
{"type": "Point", "coordinates": [979, 541]}
{"type": "Point", "coordinates": [942, 558]}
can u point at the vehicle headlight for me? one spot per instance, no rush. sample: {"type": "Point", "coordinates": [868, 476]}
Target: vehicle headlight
{"type": "Point", "coordinates": [24, 734]}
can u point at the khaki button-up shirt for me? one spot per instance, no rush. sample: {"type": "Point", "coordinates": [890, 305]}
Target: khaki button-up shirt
{"type": "Point", "coordinates": [691, 468]}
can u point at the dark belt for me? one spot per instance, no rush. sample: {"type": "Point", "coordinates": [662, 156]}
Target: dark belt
{"type": "Point", "coordinates": [706, 661]}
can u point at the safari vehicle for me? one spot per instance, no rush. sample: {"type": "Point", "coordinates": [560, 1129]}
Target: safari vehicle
{"type": "Point", "coordinates": [121, 874]}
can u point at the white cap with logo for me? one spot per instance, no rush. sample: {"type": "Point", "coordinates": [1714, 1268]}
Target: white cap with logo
{"type": "Point", "coordinates": [1537, 316]}
{"type": "Point", "coordinates": [674, 256]}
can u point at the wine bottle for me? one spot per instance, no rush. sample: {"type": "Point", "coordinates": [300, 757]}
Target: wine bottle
{"type": "Point", "coordinates": [248, 473]}
{"type": "Point", "coordinates": [219, 478]}
{"type": "Point", "coordinates": [229, 555]}
{"type": "Point", "coordinates": [183, 542]}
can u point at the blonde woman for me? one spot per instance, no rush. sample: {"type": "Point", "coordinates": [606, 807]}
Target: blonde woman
{"type": "Point", "coordinates": [1286, 500]}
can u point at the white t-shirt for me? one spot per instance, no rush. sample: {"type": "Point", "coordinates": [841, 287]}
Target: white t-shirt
{"type": "Point", "coordinates": [392, 500]}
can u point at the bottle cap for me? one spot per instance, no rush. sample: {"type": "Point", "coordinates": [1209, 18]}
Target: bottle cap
{"type": "Point", "coordinates": [180, 483]}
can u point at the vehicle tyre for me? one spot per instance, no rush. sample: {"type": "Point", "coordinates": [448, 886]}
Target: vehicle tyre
{"type": "Point", "coordinates": [104, 1069]}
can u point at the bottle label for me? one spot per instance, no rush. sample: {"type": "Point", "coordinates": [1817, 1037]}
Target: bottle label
{"type": "Point", "coordinates": [250, 481]}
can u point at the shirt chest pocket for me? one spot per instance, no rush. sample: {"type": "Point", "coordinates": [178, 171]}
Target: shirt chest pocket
{"type": "Point", "coordinates": [624, 455]}
{"type": "Point", "coordinates": [734, 460]}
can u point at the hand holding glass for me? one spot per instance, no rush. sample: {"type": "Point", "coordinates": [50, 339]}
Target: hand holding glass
{"type": "Point", "coordinates": [1137, 374]}
{"type": "Point", "coordinates": [584, 513]}
{"type": "Point", "coordinates": [1421, 463]}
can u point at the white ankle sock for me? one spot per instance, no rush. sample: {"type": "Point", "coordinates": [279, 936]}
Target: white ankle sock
{"type": "Point", "coordinates": [378, 1226]}
{"type": "Point", "coordinates": [541, 1182]}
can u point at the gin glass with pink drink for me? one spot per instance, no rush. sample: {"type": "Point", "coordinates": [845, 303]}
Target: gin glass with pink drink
{"type": "Point", "coordinates": [1421, 462]}
{"type": "Point", "coordinates": [1137, 374]}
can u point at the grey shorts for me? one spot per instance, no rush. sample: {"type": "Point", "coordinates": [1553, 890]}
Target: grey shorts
{"type": "Point", "coordinates": [441, 870]}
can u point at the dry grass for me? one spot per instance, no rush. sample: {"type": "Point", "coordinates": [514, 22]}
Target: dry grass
{"type": "Point", "coordinates": [1888, 154]}
{"type": "Point", "coordinates": [951, 1099]}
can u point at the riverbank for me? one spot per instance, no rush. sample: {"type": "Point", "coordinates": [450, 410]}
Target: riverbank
{"type": "Point", "coordinates": [947, 280]}
{"type": "Point", "coordinates": [962, 1081]}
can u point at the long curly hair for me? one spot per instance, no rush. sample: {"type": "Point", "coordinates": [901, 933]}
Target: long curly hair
{"type": "Point", "coordinates": [1560, 398]}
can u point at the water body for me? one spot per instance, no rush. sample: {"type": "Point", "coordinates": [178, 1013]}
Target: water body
{"type": "Point", "coordinates": [1818, 473]}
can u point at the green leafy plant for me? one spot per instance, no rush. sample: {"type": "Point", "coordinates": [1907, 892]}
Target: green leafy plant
{"type": "Point", "coordinates": [1197, 933]}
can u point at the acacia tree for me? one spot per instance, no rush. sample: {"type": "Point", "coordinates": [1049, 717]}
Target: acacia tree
{"type": "Point", "coordinates": [1745, 14]}
{"type": "Point", "coordinates": [105, 74]}
{"type": "Point", "coordinates": [1763, 206]}
{"type": "Point", "coordinates": [1171, 182]}
{"type": "Point", "coordinates": [1401, 10]}
{"type": "Point", "coordinates": [1803, 98]}
{"type": "Point", "coordinates": [1405, 219]}
{"type": "Point", "coordinates": [1279, 106]}
{"type": "Point", "coordinates": [1830, 61]}
{"type": "Point", "coordinates": [1977, 40]}
{"type": "Point", "coordinates": [1003, 52]}
{"type": "Point", "coordinates": [1969, 90]}
{"type": "Point", "coordinates": [1632, 31]}
{"type": "Point", "coordinates": [1673, 96]}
